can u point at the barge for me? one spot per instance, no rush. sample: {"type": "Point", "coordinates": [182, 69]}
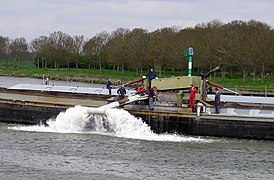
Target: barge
{"type": "Point", "coordinates": [36, 104]}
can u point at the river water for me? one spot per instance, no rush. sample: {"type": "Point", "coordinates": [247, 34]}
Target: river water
{"type": "Point", "coordinates": [77, 145]}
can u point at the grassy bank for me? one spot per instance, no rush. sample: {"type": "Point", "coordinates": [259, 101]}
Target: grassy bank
{"type": "Point", "coordinates": [236, 82]}
{"type": "Point", "coordinates": [82, 75]}
{"type": "Point", "coordinates": [95, 76]}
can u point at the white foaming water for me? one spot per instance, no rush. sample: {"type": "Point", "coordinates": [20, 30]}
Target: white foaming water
{"type": "Point", "coordinates": [116, 122]}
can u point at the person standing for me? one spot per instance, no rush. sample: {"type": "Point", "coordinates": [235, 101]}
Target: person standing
{"type": "Point", "coordinates": [151, 75]}
{"type": "Point", "coordinates": [108, 85]}
{"type": "Point", "coordinates": [121, 91]}
{"type": "Point", "coordinates": [151, 95]}
{"type": "Point", "coordinates": [193, 91]}
{"type": "Point", "coordinates": [217, 101]}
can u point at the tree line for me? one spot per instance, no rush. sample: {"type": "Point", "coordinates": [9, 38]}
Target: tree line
{"type": "Point", "coordinates": [243, 47]}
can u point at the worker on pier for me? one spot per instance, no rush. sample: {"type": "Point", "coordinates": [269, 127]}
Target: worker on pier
{"type": "Point", "coordinates": [193, 91]}
{"type": "Point", "coordinates": [217, 101]}
{"type": "Point", "coordinates": [121, 91]}
{"type": "Point", "coordinates": [108, 85]}
{"type": "Point", "coordinates": [151, 75]}
{"type": "Point", "coordinates": [151, 97]}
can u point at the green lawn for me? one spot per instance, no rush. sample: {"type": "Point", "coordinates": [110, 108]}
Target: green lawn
{"type": "Point", "coordinates": [13, 63]}
{"type": "Point", "coordinates": [237, 83]}
{"type": "Point", "coordinates": [84, 75]}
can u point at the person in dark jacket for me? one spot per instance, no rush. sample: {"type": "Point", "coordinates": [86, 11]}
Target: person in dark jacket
{"type": "Point", "coordinates": [121, 91]}
{"type": "Point", "coordinates": [151, 95]}
{"type": "Point", "coordinates": [217, 101]}
{"type": "Point", "coordinates": [151, 75]}
{"type": "Point", "coordinates": [108, 85]}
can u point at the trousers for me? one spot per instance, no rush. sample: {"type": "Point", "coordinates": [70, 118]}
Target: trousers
{"type": "Point", "coordinates": [151, 103]}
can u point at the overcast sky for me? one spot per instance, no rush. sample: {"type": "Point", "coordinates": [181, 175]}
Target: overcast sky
{"type": "Point", "coordinates": [34, 18]}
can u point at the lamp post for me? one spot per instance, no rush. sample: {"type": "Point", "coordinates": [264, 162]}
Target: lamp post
{"type": "Point", "coordinates": [189, 53]}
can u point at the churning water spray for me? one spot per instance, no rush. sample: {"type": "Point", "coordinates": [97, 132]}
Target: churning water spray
{"type": "Point", "coordinates": [115, 122]}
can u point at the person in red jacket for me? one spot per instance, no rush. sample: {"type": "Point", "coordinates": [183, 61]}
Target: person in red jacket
{"type": "Point", "coordinates": [193, 91]}
{"type": "Point", "coordinates": [140, 89]}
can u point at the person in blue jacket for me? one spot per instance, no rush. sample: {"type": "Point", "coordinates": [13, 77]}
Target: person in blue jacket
{"type": "Point", "coordinates": [108, 85]}
{"type": "Point", "coordinates": [121, 91]}
{"type": "Point", "coordinates": [151, 75]}
{"type": "Point", "coordinates": [217, 101]}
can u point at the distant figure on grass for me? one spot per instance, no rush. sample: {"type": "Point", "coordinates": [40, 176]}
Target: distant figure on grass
{"type": "Point", "coordinates": [108, 85]}
{"type": "Point", "coordinates": [193, 91]}
{"type": "Point", "coordinates": [217, 101]}
{"type": "Point", "coordinates": [121, 91]}
{"type": "Point", "coordinates": [151, 97]}
{"type": "Point", "coordinates": [151, 75]}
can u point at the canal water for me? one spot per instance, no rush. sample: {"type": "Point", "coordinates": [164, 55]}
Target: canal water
{"type": "Point", "coordinates": [77, 145]}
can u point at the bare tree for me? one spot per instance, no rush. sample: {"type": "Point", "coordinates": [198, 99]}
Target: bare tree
{"type": "Point", "coordinates": [78, 43]}
{"type": "Point", "coordinates": [40, 46]}
{"type": "Point", "coordinates": [209, 44]}
{"type": "Point", "coordinates": [138, 45]}
{"type": "Point", "coordinates": [4, 48]}
{"type": "Point", "coordinates": [18, 49]}
{"type": "Point", "coordinates": [260, 45]}
{"type": "Point", "coordinates": [57, 40]}
{"type": "Point", "coordinates": [95, 48]}
{"type": "Point", "coordinates": [69, 49]}
{"type": "Point", "coordinates": [162, 48]}
{"type": "Point", "coordinates": [89, 51]}
{"type": "Point", "coordinates": [117, 49]}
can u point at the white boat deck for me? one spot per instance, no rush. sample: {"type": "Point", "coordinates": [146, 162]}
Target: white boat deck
{"type": "Point", "coordinates": [244, 99]}
{"type": "Point", "coordinates": [224, 98]}
{"type": "Point", "coordinates": [68, 89]}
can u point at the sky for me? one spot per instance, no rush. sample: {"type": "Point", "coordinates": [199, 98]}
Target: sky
{"type": "Point", "coordinates": [34, 18]}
